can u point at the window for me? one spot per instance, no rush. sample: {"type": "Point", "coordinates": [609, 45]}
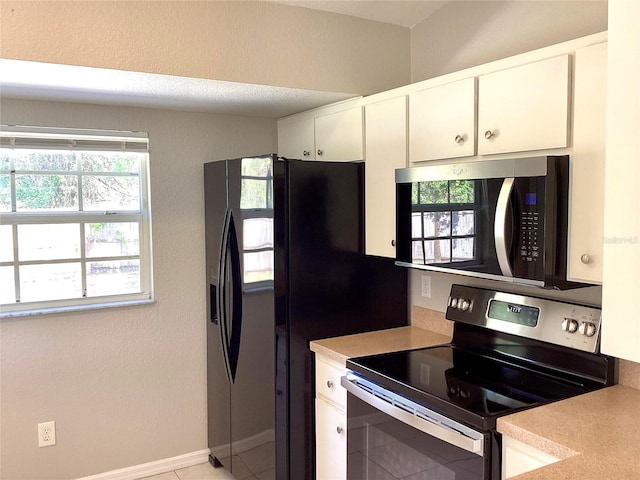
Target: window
{"type": "Point", "coordinates": [443, 221]}
{"type": "Point", "coordinates": [74, 219]}
{"type": "Point", "coordinates": [256, 206]}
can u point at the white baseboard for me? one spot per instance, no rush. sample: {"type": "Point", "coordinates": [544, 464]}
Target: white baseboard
{"type": "Point", "coordinates": [153, 468]}
{"type": "Point", "coordinates": [181, 461]}
{"type": "Point", "coordinates": [245, 444]}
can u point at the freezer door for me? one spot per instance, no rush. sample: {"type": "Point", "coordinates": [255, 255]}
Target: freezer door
{"type": "Point", "coordinates": [218, 386]}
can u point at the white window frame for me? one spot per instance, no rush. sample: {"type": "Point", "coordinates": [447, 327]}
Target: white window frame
{"type": "Point", "coordinates": [56, 139]}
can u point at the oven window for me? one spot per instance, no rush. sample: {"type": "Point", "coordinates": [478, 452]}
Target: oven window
{"type": "Point", "coordinates": [383, 448]}
{"type": "Point", "coordinates": [443, 221]}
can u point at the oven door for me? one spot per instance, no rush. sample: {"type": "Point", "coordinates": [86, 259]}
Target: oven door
{"type": "Point", "coordinates": [390, 437]}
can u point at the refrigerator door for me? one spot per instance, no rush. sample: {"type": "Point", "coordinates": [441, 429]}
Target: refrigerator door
{"type": "Point", "coordinates": [248, 300]}
{"type": "Point", "coordinates": [218, 386]}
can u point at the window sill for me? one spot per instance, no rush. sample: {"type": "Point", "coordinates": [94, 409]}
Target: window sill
{"type": "Point", "coordinates": [76, 308]}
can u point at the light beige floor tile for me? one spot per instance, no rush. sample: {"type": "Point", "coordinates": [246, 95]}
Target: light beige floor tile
{"type": "Point", "coordinates": [261, 458]}
{"type": "Point", "coordinates": [204, 471]}
{"type": "Point", "coordinates": [267, 475]}
{"type": "Point", "coordinates": [163, 476]}
{"type": "Point", "coordinates": [240, 470]}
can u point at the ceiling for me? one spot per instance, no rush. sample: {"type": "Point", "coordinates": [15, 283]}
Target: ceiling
{"type": "Point", "coordinates": [406, 13]}
{"type": "Point", "coordinates": [43, 81]}
{"type": "Point", "coordinates": [54, 82]}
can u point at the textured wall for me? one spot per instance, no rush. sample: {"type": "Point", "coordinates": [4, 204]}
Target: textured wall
{"type": "Point", "coordinates": [126, 385]}
{"type": "Point", "coordinates": [463, 34]}
{"type": "Point", "coordinates": [251, 42]}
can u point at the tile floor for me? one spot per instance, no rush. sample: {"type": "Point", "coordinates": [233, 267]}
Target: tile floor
{"type": "Point", "coordinates": [255, 464]}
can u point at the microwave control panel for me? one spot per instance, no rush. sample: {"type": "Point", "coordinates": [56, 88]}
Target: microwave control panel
{"type": "Point", "coordinates": [528, 249]}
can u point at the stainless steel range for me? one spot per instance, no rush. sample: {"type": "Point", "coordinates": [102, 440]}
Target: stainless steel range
{"type": "Point", "coordinates": [431, 413]}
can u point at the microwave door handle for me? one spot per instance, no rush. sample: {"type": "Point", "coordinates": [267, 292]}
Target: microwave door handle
{"type": "Point", "coordinates": [501, 227]}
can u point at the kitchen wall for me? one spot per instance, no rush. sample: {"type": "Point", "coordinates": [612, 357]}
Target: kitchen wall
{"type": "Point", "coordinates": [463, 34]}
{"type": "Point", "coordinates": [241, 41]}
{"type": "Point", "coordinates": [125, 385]}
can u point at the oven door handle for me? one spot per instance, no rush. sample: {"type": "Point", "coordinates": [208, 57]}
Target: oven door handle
{"type": "Point", "coordinates": [432, 424]}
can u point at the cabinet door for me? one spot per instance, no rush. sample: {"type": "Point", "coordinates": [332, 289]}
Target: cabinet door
{"type": "Point", "coordinates": [621, 268]}
{"type": "Point", "coordinates": [519, 458]}
{"type": "Point", "coordinates": [442, 121]}
{"type": "Point", "coordinates": [331, 442]}
{"type": "Point", "coordinates": [296, 139]}
{"type": "Point", "coordinates": [524, 108]}
{"type": "Point", "coordinates": [586, 214]}
{"type": "Point", "coordinates": [339, 136]}
{"type": "Point", "coordinates": [386, 147]}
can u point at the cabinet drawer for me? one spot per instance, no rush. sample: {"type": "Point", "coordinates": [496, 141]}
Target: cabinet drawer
{"type": "Point", "coordinates": [328, 376]}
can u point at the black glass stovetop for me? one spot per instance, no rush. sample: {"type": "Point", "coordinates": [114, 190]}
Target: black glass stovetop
{"type": "Point", "coordinates": [469, 387]}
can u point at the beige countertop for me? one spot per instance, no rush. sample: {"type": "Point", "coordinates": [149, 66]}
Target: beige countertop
{"type": "Point", "coordinates": [381, 341]}
{"type": "Point", "coordinates": [597, 435]}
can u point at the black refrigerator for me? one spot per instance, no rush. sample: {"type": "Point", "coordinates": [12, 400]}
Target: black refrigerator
{"type": "Point", "coordinates": [285, 266]}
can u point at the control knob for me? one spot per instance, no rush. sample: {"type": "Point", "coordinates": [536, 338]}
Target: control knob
{"type": "Point", "coordinates": [569, 325]}
{"type": "Point", "coordinates": [464, 305]}
{"type": "Point", "coordinates": [587, 329]}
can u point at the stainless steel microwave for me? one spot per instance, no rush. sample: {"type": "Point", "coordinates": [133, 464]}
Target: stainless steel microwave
{"type": "Point", "coordinates": [497, 219]}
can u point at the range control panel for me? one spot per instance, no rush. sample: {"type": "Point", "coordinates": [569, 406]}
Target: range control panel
{"type": "Point", "coordinates": [553, 321]}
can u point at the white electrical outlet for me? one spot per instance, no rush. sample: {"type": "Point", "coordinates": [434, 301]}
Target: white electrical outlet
{"type": "Point", "coordinates": [46, 434]}
{"type": "Point", "coordinates": [426, 286]}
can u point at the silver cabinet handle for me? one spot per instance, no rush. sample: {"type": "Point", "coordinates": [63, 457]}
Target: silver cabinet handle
{"type": "Point", "coordinates": [459, 139]}
{"type": "Point", "coordinates": [339, 430]}
{"type": "Point", "coordinates": [306, 153]}
{"type": "Point", "coordinates": [319, 152]}
{"type": "Point", "coordinates": [329, 384]}
{"type": "Point", "coordinates": [488, 134]}
{"type": "Point", "coordinates": [585, 259]}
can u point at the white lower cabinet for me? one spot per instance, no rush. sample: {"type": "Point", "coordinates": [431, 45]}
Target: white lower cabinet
{"type": "Point", "coordinates": [519, 458]}
{"type": "Point", "coordinates": [331, 421]}
{"type": "Point", "coordinates": [331, 442]}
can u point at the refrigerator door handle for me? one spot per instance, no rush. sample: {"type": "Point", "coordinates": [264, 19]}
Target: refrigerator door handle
{"type": "Point", "coordinates": [213, 299]}
{"type": "Point", "coordinates": [236, 300]}
{"type": "Point", "coordinates": [222, 292]}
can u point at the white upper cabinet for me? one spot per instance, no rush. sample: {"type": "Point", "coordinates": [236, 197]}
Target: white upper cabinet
{"type": "Point", "coordinates": [336, 136]}
{"type": "Point", "coordinates": [621, 269]}
{"type": "Point", "coordinates": [386, 146]}
{"type": "Point", "coordinates": [586, 210]}
{"type": "Point", "coordinates": [524, 108]}
{"type": "Point", "coordinates": [296, 139]}
{"type": "Point", "coordinates": [442, 121]}
{"type": "Point", "coordinates": [340, 136]}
